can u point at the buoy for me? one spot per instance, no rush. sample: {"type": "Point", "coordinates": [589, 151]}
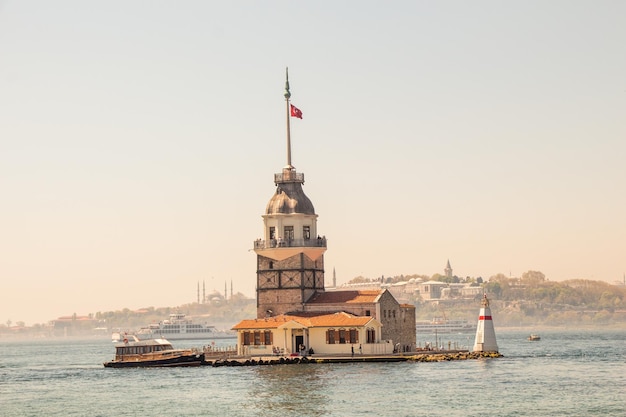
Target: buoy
{"type": "Point", "coordinates": [485, 334]}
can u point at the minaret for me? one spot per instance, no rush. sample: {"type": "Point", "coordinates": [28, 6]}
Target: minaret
{"type": "Point", "coordinates": [485, 334]}
{"type": "Point", "coordinates": [198, 292]}
{"type": "Point", "coordinates": [334, 278]}
{"type": "Point", "coordinates": [203, 293]}
{"type": "Point", "coordinates": [448, 270]}
{"type": "Point", "coordinates": [290, 256]}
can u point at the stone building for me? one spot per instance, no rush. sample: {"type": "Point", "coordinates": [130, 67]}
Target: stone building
{"type": "Point", "coordinates": [398, 320]}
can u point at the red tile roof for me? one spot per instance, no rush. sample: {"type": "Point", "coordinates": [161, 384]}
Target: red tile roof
{"type": "Point", "coordinates": [348, 296]}
{"type": "Point", "coordinates": [340, 319]}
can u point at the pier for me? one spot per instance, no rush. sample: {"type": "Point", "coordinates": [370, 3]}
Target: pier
{"type": "Point", "coordinates": [431, 356]}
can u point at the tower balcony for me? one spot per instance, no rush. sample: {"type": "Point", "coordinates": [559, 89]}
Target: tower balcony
{"type": "Point", "coordinates": [289, 176]}
{"type": "Point", "coordinates": [280, 249]}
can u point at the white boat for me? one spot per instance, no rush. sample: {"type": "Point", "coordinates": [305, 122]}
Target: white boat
{"type": "Point", "coordinates": [442, 325]}
{"type": "Point", "coordinates": [151, 353]}
{"type": "Point", "coordinates": [178, 327]}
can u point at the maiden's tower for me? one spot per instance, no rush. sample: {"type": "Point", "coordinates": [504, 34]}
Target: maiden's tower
{"type": "Point", "coordinates": [290, 256]}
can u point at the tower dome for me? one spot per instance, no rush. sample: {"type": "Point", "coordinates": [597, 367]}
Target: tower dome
{"type": "Point", "coordinates": [289, 197]}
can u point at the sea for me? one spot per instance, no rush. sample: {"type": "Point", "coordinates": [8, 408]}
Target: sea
{"type": "Point", "coordinates": [569, 372]}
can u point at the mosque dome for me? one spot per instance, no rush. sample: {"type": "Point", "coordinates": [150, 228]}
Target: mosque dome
{"type": "Point", "coordinates": [289, 199]}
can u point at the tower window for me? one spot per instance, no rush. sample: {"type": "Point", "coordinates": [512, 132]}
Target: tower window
{"type": "Point", "coordinates": [288, 232]}
{"type": "Point", "coordinates": [306, 232]}
{"type": "Point", "coordinates": [271, 264]}
{"type": "Point", "coordinates": [272, 232]}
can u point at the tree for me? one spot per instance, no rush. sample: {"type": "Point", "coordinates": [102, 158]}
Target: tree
{"type": "Point", "coordinates": [533, 278]}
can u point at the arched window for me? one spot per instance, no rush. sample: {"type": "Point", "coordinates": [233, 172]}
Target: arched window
{"type": "Point", "coordinates": [330, 336]}
{"type": "Point", "coordinates": [342, 335]}
{"type": "Point", "coordinates": [354, 336]}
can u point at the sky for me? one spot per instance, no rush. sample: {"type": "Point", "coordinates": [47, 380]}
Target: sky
{"type": "Point", "coordinates": [139, 142]}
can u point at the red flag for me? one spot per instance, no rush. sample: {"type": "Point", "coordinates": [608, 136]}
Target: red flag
{"type": "Point", "coordinates": [295, 112]}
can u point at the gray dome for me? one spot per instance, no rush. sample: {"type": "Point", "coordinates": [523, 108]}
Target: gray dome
{"type": "Point", "coordinates": [289, 199]}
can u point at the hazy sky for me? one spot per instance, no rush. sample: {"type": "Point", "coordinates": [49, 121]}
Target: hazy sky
{"type": "Point", "coordinates": [139, 140]}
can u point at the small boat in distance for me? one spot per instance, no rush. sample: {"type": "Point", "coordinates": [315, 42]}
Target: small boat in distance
{"type": "Point", "coordinates": [534, 337]}
{"type": "Point", "coordinates": [152, 353]}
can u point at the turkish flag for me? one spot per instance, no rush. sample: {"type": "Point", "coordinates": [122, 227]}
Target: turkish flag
{"type": "Point", "coordinates": [295, 112]}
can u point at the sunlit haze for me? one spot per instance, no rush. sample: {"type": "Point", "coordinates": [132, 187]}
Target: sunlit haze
{"type": "Point", "coordinates": [139, 142]}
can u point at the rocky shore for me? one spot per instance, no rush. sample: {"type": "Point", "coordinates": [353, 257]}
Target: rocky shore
{"type": "Point", "coordinates": [419, 357]}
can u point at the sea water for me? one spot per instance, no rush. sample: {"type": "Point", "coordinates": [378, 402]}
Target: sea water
{"type": "Point", "coordinates": [567, 373]}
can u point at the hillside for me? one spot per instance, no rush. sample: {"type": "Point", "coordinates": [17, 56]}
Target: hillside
{"type": "Point", "coordinates": [529, 300]}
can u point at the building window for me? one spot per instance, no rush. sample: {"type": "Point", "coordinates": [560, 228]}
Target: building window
{"type": "Point", "coordinates": [306, 232]}
{"type": "Point", "coordinates": [271, 264]}
{"type": "Point", "coordinates": [272, 232]}
{"type": "Point", "coordinates": [246, 338]}
{"type": "Point", "coordinates": [257, 338]}
{"type": "Point", "coordinates": [342, 335]}
{"type": "Point", "coordinates": [267, 338]}
{"type": "Point", "coordinates": [368, 313]}
{"type": "Point", "coordinates": [371, 336]}
{"type": "Point", "coordinates": [288, 235]}
{"type": "Point", "coordinates": [354, 336]}
{"type": "Point", "coordinates": [330, 336]}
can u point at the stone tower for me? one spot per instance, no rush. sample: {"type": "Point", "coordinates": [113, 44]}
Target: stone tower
{"type": "Point", "coordinates": [448, 270]}
{"type": "Point", "coordinates": [290, 256]}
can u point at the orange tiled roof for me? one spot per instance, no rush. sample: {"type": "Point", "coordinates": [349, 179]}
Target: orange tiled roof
{"type": "Point", "coordinates": [339, 319]}
{"type": "Point", "coordinates": [348, 296]}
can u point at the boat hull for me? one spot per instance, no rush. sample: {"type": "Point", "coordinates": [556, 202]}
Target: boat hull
{"type": "Point", "coordinates": [187, 360]}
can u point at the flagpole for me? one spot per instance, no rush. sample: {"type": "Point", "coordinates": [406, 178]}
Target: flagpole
{"type": "Point", "coordinates": [287, 96]}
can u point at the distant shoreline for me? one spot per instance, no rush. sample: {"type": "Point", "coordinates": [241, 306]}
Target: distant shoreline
{"type": "Point", "coordinates": [543, 327]}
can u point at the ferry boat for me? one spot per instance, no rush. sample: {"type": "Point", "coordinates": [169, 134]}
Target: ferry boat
{"type": "Point", "coordinates": [178, 327]}
{"type": "Point", "coordinates": [534, 337]}
{"type": "Point", "coordinates": [441, 325]}
{"type": "Point", "coordinates": [152, 353]}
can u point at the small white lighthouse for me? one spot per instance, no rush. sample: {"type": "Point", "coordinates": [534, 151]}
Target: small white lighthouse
{"type": "Point", "coordinates": [485, 334]}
